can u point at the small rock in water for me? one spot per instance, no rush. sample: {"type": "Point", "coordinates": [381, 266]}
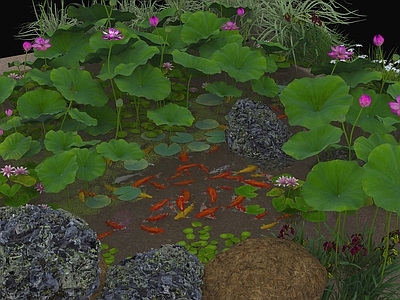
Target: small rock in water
{"type": "Point", "coordinates": [255, 132]}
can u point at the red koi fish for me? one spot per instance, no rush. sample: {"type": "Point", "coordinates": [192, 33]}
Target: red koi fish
{"type": "Point", "coordinates": [184, 167]}
{"type": "Point", "coordinates": [240, 207]}
{"type": "Point", "coordinates": [185, 182]}
{"type": "Point", "coordinates": [257, 183]}
{"type": "Point", "coordinates": [104, 234]}
{"type": "Point", "coordinates": [160, 204]}
{"type": "Point", "coordinates": [203, 167]}
{"type": "Point", "coordinates": [206, 212]}
{"type": "Point", "coordinates": [183, 156]}
{"type": "Point", "coordinates": [152, 230]}
{"type": "Point", "coordinates": [222, 175]}
{"type": "Point", "coordinates": [186, 195]}
{"type": "Point", "coordinates": [283, 216]}
{"type": "Point", "coordinates": [275, 108]}
{"type": "Point", "coordinates": [180, 202]}
{"type": "Point", "coordinates": [213, 194]}
{"type": "Point", "coordinates": [115, 225]}
{"type": "Point", "coordinates": [282, 116]}
{"type": "Point", "coordinates": [142, 181]}
{"type": "Point", "coordinates": [225, 187]}
{"type": "Point", "coordinates": [157, 217]}
{"type": "Point", "coordinates": [157, 185]}
{"type": "Point", "coordinates": [236, 201]}
{"type": "Point", "coordinates": [214, 148]}
{"type": "Point", "coordinates": [262, 215]}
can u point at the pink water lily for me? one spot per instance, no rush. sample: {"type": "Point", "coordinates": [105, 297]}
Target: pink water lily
{"type": "Point", "coordinates": [340, 53]}
{"type": "Point", "coordinates": [230, 26]}
{"type": "Point", "coordinates": [112, 34]}
{"type": "Point", "coordinates": [395, 106]}
{"type": "Point", "coordinates": [41, 44]}
{"type": "Point", "coordinates": [365, 100]}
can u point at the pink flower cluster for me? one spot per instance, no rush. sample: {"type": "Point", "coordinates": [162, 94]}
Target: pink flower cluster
{"type": "Point", "coordinates": [9, 171]}
{"type": "Point", "coordinates": [340, 53]}
{"type": "Point", "coordinates": [40, 44]}
{"type": "Point", "coordinates": [287, 181]}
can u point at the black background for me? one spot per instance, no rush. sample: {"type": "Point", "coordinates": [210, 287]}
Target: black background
{"type": "Point", "coordinates": [380, 19]}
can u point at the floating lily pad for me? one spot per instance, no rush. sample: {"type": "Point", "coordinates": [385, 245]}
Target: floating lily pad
{"type": "Point", "coordinates": [152, 136]}
{"type": "Point", "coordinates": [135, 165]}
{"type": "Point", "coordinates": [207, 124]}
{"type": "Point", "coordinates": [167, 150]}
{"type": "Point", "coordinates": [246, 191]}
{"type": "Point", "coordinates": [182, 137]}
{"type": "Point", "coordinates": [198, 146]}
{"type": "Point", "coordinates": [127, 193]}
{"type": "Point", "coordinates": [254, 209]}
{"type": "Point", "coordinates": [97, 201]}
{"type": "Point", "coordinates": [209, 100]}
{"type": "Point", "coordinates": [216, 136]}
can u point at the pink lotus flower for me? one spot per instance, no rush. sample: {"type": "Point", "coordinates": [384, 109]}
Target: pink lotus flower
{"type": "Point", "coordinates": [8, 112]}
{"type": "Point", "coordinates": [112, 34]}
{"type": "Point", "coordinates": [364, 100]}
{"type": "Point", "coordinates": [395, 106]}
{"type": "Point", "coordinates": [154, 21]}
{"type": "Point", "coordinates": [230, 26]}
{"type": "Point", "coordinates": [27, 46]}
{"type": "Point", "coordinates": [240, 11]}
{"type": "Point", "coordinates": [378, 40]}
{"type": "Point", "coordinates": [41, 44]}
{"type": "Point", "coordinates": [340, 53]}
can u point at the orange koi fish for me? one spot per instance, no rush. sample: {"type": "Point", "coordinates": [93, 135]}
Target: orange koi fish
{"type": "Point", "coordinates": [183, 156]}
{"type": "Point", "coordinates": [225, 187]}
{"type": "Point", "coordinates": [240, 207]}
{"type": "Point", "coordinates": [186, 195]}
{"type": "Point", "coordinates": [203, 167]}
{"type": "Point", "coordinates": [282, 116]}
{"type": "Point", "coordinates": [257, 183]}
{"type": "Point", "coordinates": [104, 234]}
{"type": "Point", "coordinates": [213, 194]}
{"type": "Point", "coordinates": [142, 181]}
{"type": "Point", "coordinates": [221, 175]}
{"type": "Point", "coordinates": [157, 185]}
{"type": "Point", "coordinates": [180, 202]}
{"type": "Point", "coordinates": [236, 201]}
{"type": "Point", "coordinates": [206, 212]}
{"type": "Point", "coordinates": [214, 148]}
{"type": "Point", "coordinates": [157, 217]}
{"type": "Point", "coordinates": [177, 174]}
{"type": "Point", "coordinates": [235, 177]}
{"type": "Point", "coordinates": [184, 167]}
{"type": "Point", "coordinates": [115, 225]}
{"type": "Point", "coordinates": [160, 204]}
{"type": "Point", "coordinates": [152, 230]}
{"type": "Point", "coordinates": [269, 225]}
{"type": "Point", "coordinates": [262, 215]}
{"type": "Point", "coordinates": [185, 182]}
{"type": "Point", "coordinates": [283, 216]}
{"type": "Point", "coordinates": [275, 108]}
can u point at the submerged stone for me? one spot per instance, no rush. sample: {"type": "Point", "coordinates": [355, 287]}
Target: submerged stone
{"type": "Point", "coordinates": [255, 132]}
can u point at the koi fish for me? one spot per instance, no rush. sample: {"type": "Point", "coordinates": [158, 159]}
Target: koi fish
{"type": "Point", "coordinates": [160, 204]}
{"type": "Point", "coordinates": [184, 167]}
{"type": "Point", "coordinates": [221, 175]}
{"type": "Point", "coordinates": [257, 183]}
{"type": "Point", "coordinates": [283, 216]}
{"type": "Point", "coordinates": [235, 177]}
{"type": "Point", "coordinates": [269, 225]}
{"type": "Point", "coordinates": [213, 194]}
{"type": "Point", "coordinates": [177, 174]}
{"type": "Point", "coordinates": [184, 213]}
{"type": "Point", "coordinates": [248, 169]}
{"type": "Point", "coordinates": [204, 168]}
{"type": "Point", "coordinates": [185, 182]}
{"type": "Point", "coordinates": [157, 185]}
{"type": "Point", "coordinates": [157, 217]}
{"type": "Point", "coordinates": [144, 195]}
{"type": "Point", "coordinates": [214, 148]}
{"type": "Point", "coordinates": [152, 230]}
{"type": "Point", "coordinates": [220, 169]}
{"type": "Point", "coordinates": [180, 202]}
{"type": "Point", "coordinates": [142, 181]}
{"type": "Point", "coordinates": [183, 156]}
{"type": "Point", "coordinates": [275, 108]}
{"type": "Point", "coordinates": [240, 207]}
{"type": "Point", "coordinates": [236, 201]}
{"type": "Point", "coordinates": [225, 187]}
{"type": "Point", "coordinates": [206, 212]}
{"type": "Point", "coordinates": [104, 234]}
{"type": "Point", "coordinates": [115, 225]}
{"type": "Point", "coordinates": [186, 195]}
{"type": "Point", "coordinates": [81, 195]}
{"type": "Point", "coordinates": [262, 215]}
{"type": "Point", "coordinates": [282, 116]}
{"type": "Point", "coordinates": [110, 187]}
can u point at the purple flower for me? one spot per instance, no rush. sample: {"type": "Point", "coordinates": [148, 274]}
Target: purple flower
{"type": "Point", "coordinates": [21, 171]}
{"type": "Point", "coordinates": [193, 89]}
{"type": "Point", "coordinates": [27, 46]}
{"type": "Point", "coordinates": [395, 106]}
{"type": "Point", "coordinates": [41, 44]}
{"type": "Point", "coordinates": [281, 181]}
{"type": "Point", "coordinates": [112, 34]}
{"type": "Point", "coordinates": [8, 170]}
{"type": "Point", "coordinates": [153, 21]}
{"type": "Point", "coordinates": [378, 40]}
{"type": "Point", "coordinates": [329, 246]}
{"type": "Point", "coordinates": [240, 11]}
{"type": "Point", "coordinates": [316, 20]}
{"type": "Point", "coordinates": [15, 76]}
{"type": "Point", "coordinates": [39, 187]}
{"type": "Point", "coordinates": [286, 181]}
{"type": "Point", "coordinates": [168, 66]}
{"type": "Point", "coordinates": [8, 112]}
{"type": "Point", "coordinates": [230, 26]}
{"type": "Point", "coordinates": [339, 52]}
{"type": "Point", "coordinates": [364, 100]}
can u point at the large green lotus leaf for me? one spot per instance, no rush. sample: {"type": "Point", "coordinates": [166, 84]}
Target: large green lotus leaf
{"type": "Point", "coordinates": [136, 165]}
{"type": "Point", "coordinates": [60, 141]}
{"type": "Point", "coordinates": [96, 12]}
{"type": "Point", "coordinates": [39, 76]}
{"type": "Point", "coordinates": [334, 186]}
{"type": "Point", "coordinates": [240, 62]}
{"type": "Point", "coordinates": [15, 146]}
{"type": "Point", "coordinates": [78, 85]}
{"type": "Point", "coordinates": [126, 61]}
{"type": "Point", "coordinates": [363, 146]}
{"type": "Point", "coordinates": [106, 119]}
{"type": "Point", "coordinates": [145, 81]}
{"type": "Point", "coordinates": [313, 102]}
{"type": "Point", "coordinates": [200, 26]}
{"type": "Point", "coordinates": [309, 143]}
{"type": "Point", "coordinates": [57, 171]}
{"type": "Point", "coordinates": [68, 48]}
{"type": "Point", "coordinates": [222, 89]}
{"type": "Point", "coordinates": [361, 77]}
{"type": "Point", "coordinates": [40, 102]}
{"type": "Point", "coordinates": [6, 87]}
{"type": "Point", "coordinates": [368, 120]}
{"type": "Point", "coordinates": [265, 86]}
{"type": "Point", "coordinates": [172, 115]}
{"type": "Point", "coordinates": [394, 89]}
{"type": "Point", "coordinates": [120, 150]}
{"type": "Point", "coordinates": [342, 66]}
{"type": "Point", "coordinates": [224, 37]}
{"type": "Point", "coordinates": [82, 117]}
{"type": "Point", "coordinates": [201, 64]}
{"type": "Point", "coordinates": [91, 164]}
{"type": "Point", "coordinates": [381, 178]}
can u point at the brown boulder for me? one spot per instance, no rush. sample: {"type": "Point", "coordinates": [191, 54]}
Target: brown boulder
{"type": "Point", "coordinates": [264, 268]}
